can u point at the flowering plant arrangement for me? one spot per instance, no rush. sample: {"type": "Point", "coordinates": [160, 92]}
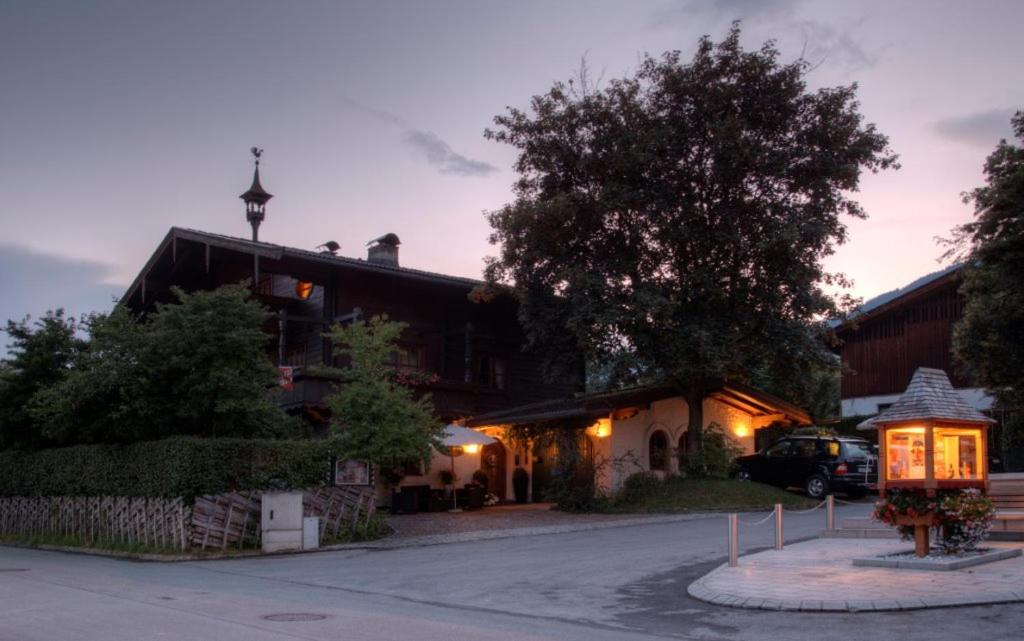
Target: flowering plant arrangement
{"type": "Point", "coordinates": [900, 504]}
{"type": "Point", "coordinates": [964, 515]}
{"type": "Point", "coordinates": [490, 499]}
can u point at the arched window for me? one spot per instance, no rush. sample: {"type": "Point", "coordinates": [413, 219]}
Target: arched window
{"type": "Point", "coordinates": [657, 452]}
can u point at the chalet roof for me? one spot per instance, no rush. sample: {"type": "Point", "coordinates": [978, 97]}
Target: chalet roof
{"type": "Point", "coordinates": [277, 252]}
{"type": "Point", "coordinates": [930, 396]}
{"type": "Point", "coordinates": [601, 404]}
{"type": "Point", "coordinates": [890, 300]}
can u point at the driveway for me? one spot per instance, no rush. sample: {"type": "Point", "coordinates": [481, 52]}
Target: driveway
{"type": "Point", "coordinates": [616, 583]}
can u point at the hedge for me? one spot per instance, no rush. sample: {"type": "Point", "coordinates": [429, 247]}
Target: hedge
{"type": "Point", "coordinates": [182, 466]}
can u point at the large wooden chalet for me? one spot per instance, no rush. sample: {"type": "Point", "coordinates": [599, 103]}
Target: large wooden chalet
{"type": "Point", "coordinates": [472, 348]}
{"type": "Point", "coordinates": [896, 333]}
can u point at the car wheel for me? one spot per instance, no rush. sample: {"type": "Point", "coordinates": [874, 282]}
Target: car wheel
{"type": "Point", "coordinates": [743, 475]}
{"type": "Point", "coordinates": [816, 487]}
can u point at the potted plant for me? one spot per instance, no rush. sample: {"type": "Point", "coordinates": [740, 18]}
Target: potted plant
{"type": "Point", "coordinates": [521, 485]}
{"type": "Point", "coordinates": [448, 481]}
{"type": "Point", "coordinates": [480, 478]}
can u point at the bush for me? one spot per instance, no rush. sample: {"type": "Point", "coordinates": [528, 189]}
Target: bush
{"type": "Point", "coordinates": [638, 485]}
{"type": "Point", "coordinates": [183, 466]}
{"type": "Point", "coordinates": [576, 490]}
{"type": "Point", "coordinates": [480, 478]}
{"type": "Point", "coordinates": [717, 457]}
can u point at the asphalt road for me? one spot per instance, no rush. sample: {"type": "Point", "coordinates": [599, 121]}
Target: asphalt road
{"type": "Point", "coordinates": [619, 583]}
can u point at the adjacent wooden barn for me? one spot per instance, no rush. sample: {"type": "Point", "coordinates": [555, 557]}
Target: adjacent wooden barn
{"type": "Point", "coordinates": [897, 333]}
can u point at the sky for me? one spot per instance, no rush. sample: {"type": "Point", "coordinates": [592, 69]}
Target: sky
{"type": "Point", "coordinates": [120, 119]}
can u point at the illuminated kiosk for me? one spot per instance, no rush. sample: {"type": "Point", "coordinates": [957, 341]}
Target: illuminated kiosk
{"type": "Point", "coordinates": [930, 438]}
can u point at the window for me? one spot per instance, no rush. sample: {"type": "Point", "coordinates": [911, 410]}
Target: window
{"type": "Point", "coordinates": [657, 452]}
{"type": "Point", "coordinates": [957, 453]}
{"type": "Point", "coordinates": [805, 448]}
{"type": "Point", "coordinates": [412, 468]}
{"type": "Point", "coordinates": [778, 450]}
{"type": "Point", "coordinates": [492, 372]}
{"type": "Point", "coordinates": [857, 449]}
{"type": "Point", "coordinates": [407, 359]}
{"type": "Point", "coordinates": [904, 453]}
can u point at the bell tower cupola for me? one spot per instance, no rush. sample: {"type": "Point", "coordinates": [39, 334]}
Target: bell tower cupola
{"type": "Point", "coordinates": [256, 198]}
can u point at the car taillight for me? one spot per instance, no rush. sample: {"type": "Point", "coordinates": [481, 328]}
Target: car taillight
{"type": "Point", "coordinates": [841, 469]}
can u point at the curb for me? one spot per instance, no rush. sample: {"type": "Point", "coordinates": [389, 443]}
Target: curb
{"type": "Point", "coordinates": [391, 542]}
{"type": "Point", "coordinates": [700, 592]}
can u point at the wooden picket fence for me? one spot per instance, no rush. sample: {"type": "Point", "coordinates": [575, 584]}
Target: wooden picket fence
{"type": "Point", "coordinates": [224, 520]}
{"type": "Point", "coordinates": [150, 522]}
{"type": "Point", "coordinates": [340, 508]}
{"type": "Point", "coordinates": [218, 521]}
{"type": "Point", "coordinates": [233, 520]}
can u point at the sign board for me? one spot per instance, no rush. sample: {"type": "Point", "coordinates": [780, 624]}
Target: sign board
{"type": "Point", "coordinates": [352, 472]}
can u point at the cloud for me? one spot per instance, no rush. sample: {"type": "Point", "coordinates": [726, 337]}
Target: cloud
{"type": "Point", "coordinates": [724, 10]}
{"type": "Point", "coordinates": [33, 282]}
{"type": "Point", "coordinates": [981, 129]}
{"type": "Point", "coordinates": [828, 43]}
{"type": "Point", "coordinates": [779, 19]}
{"type": "Point", "coordinates": [439, 154]}
{"type": "Point", "coordinates": [436, 151]}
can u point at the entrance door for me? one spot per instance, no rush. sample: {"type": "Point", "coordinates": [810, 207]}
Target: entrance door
{"type": "Point", "coordinates": [493, 462]}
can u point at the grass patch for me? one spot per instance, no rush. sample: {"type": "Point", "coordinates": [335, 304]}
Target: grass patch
{"type": "Point", "coordinates": [376, 528]}
{"type": "Point", "coordinates": [678, 494]}
{"type": "Point", "coordinates": [36, 540]}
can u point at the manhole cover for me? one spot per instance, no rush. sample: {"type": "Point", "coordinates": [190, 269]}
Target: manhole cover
{"type": "Point", "coordinates": [295, 616]}
{"type": "Point", "coordinates": [14, 569]}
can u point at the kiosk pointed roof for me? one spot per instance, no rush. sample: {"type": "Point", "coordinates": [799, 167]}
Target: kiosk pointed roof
{"type": "Point", "coordinates": [930, 396]}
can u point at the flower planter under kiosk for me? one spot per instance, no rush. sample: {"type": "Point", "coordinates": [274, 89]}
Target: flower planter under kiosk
{"type": "Point", "coordinates": [930, 439]}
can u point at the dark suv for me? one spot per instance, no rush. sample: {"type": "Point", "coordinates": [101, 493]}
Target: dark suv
{"type": "Point", "coordinates": [818, 464]}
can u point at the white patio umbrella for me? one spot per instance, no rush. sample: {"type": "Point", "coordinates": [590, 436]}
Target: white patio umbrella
{"type": "Point", "coordinates": [458, 436]}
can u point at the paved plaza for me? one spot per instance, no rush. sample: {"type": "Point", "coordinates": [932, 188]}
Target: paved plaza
{"type": "Point", "coordinates": [818, 575]}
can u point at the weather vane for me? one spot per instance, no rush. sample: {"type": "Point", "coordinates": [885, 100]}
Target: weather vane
{"type": "Point", "coordinates": [256, 153]}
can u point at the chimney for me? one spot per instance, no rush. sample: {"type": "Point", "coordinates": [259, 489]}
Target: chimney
{"type": "Point", "coordinates": [384, 250]}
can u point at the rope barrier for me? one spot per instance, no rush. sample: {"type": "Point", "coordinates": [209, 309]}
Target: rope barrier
{"type": "Point", "coordinates": [808, 511]}
{"type": "Point", "coordinates": [764, 520]}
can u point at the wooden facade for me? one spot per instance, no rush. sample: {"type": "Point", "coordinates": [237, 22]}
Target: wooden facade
{"type": "Point", "coordinates": [915, 329]}
{"type": "Point", "coordinates": [473, 349]}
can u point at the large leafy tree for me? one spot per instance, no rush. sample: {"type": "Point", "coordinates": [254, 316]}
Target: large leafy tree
{"type": "Point", "coordinates": [673, 223]}
{"type": "Point", "coordinates": [374, 416]}
{"type": "Point", "coordinates": [197, 366]}
{"type": "Point", "coordinates": [990, 337]}
{"type": "Point", "coordinates": [41, 355]}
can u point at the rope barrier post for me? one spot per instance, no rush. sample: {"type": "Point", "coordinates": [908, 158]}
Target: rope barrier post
{"type": "Point", "coordinates": [779, 535]}
{"type": "Point", "coordinates": [830, 512]}
{"type": "Point", "coordinates": [734, 540]}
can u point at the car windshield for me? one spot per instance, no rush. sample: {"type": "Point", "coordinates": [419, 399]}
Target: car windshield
{"type": "Point", "coordinates": [857, 449]}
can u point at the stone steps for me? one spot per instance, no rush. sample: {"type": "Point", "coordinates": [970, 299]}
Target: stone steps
{"type": "Point", "coordinates": [864, 527]}
{"type": "Point", "coordinates": [860, 527]}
